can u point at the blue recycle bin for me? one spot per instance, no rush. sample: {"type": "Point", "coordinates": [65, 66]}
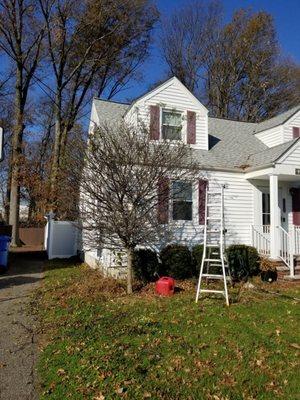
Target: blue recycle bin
{"type": "Point", "coordinates": [4, 245]}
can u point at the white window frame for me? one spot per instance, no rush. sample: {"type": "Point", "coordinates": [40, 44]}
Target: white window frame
{"type": "Point", "coordinates": [170, 110]}
{"type": "Point", "coordinates": [187, 201]}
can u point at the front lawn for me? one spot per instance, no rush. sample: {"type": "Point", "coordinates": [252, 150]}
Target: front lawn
{"type": "Point", "coordinates": [101, 344]}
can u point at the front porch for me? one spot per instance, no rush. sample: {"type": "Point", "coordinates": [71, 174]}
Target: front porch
{"type": "Point", "coordinates": [276, 229]}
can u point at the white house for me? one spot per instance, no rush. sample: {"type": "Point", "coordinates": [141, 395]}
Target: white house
{"type": "Point", "coordinates": [259, 164]}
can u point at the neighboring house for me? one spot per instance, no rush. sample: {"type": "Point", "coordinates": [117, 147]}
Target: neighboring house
{"type": "Point", "coordinates": [259, 164]}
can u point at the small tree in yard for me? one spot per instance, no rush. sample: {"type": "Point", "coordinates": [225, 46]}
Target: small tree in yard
{"type": "Point", "coordinates": [125, 188]}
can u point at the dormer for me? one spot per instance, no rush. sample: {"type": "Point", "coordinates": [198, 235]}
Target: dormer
{"type": "Point", "coordinates": [280, 129]}
{"type": "Point", "coordinates": [172, 112]}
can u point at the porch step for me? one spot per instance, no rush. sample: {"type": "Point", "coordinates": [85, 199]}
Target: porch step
{"type": "Point", "coordinates": [283, 273]}
{"type": "Point", "coordinates": [295, 278]}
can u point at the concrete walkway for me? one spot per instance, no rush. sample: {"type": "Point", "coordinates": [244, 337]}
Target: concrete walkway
{"type": "Point", "coordinates": [18, 347]}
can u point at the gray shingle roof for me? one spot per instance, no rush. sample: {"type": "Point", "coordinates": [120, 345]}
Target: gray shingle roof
{"type": "Point", "coordinates": [232, 143]}
{"type": "Point", "coordinates": [271, 154]}
{"type": "Point", "coordinates": [109, 111]}
{"type": "Point", "coordinates": [275, 121]}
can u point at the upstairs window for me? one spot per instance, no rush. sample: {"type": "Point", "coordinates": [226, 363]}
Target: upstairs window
{"type": "Point", "coordinates": [171, 125]}
{"type": "Point", "coordinates": [296, 132]}
{"type": "Point", "coordinates": [182, 195]}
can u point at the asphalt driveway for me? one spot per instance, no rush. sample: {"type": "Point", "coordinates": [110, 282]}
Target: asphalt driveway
{"type": "Point", "coordinates": [18, 347]}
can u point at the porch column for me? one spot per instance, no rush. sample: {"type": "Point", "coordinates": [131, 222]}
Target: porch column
{"type": "Point", "coordinates": [274, 218]}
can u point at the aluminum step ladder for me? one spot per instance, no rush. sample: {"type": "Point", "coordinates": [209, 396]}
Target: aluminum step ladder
{"type": "Point", "coordinates": [214, 244]}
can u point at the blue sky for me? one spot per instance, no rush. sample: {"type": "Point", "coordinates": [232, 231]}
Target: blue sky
{"type": "Point", "coordinates": [286, 14]}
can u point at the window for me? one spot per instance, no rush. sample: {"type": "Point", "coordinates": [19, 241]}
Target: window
{"type": "Point", "coordinates": [266, 209]}
{"type": "Point", "coordinates": [182, 195]}
{"type": "Point", "coordinates": [171, 125]}
{"type": "Point", "coordinates": [296, 132]}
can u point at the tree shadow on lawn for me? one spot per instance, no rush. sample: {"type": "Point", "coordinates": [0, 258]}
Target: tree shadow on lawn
{"type": "Point", "coordinates": [61, 263]}
{"type": "Point", "coordinates": [17, 281]}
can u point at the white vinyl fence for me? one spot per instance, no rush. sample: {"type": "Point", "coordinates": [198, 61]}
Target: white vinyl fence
{"type": "Point", "coordinates": [61, 239]}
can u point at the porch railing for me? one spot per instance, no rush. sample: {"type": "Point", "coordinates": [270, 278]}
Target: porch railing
{"type": "Point", "coordinates": [286, 252]}
{"type": "Point", "coordinates": [261, 238]}
{"type": "Point", "coordinates": [296, 238]}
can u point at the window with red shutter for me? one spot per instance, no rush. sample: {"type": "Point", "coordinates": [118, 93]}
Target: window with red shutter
{"type": "Point", "coordinates": [202, 195]}
{"type": "Point", "coordinates": [296, 132]}
{"type": "Point", "coordinates": [154, 122]}
{"type": "Point", "coordinates": [296, 206]}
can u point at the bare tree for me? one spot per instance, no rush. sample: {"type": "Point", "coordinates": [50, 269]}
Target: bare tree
{"type": "Point", "coordinates": [125, 188]}
{"type": "Point", "coordinates": [247, 79]}
{"type": "Point", "coordinates": [21, 38]}
{"type": "Point", "coordinates": [186, 39]}
{"type": "Point", "coordinates": [236, 69]}
{"type": "Point", "coordinates": [94, 46]}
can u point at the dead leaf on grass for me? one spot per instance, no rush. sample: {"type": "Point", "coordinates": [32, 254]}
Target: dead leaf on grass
{"type": "Point", "coordinates": [295, 346]}
{"type": "Point", "coordinates": [61, 372]}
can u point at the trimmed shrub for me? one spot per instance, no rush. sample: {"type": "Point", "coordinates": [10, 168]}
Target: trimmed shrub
{"type": "Point", "coordinates": [145, 265]}
{"type": "Point", "coordinates": [176, 261]}
{"type": "Point", "coordinates": [243, 261]}
{"type": "Point", "coordinates": [197, 253]}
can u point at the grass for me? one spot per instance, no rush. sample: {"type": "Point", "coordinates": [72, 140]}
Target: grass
{"type": "Point", "coordinates": [101, 344]}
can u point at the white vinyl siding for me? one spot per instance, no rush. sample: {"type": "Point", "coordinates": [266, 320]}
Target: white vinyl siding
{"type": "Point", "coordinates": [288, 127]}
{"type": "Point", "coordinates": [238, 210]}
{"type": "Point", "coordinates": [173, 97]}
{"type": "Point", "coordinates": [292, 158]}
{"type": "Point", "coordinates": [271, 137]}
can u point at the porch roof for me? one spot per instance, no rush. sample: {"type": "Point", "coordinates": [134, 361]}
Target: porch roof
{"type": "Point", "coordinates": [270, 155]}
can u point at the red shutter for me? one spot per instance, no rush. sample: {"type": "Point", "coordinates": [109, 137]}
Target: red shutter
{"type": "Point", "coordinates": [191, 127]}
{"type": "Point", "coordinates": [154, 122]}
{"type": "Point", "coordinates": [296, 132]}
{"type": "Point", "coordinates": [163, 200]}
{"type": "Point", "coordinates": [202, 192]}
{"type": "Point", "coordinates": [296, 206]}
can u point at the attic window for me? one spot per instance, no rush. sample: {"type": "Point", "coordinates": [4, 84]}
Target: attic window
{"type": "Point", "coordinates": [296, 132]}
{"type": "Point", "coordinates": [171, 125]}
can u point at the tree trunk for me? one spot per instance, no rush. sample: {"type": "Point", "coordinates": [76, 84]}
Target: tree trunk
{"type": "Point", "coordinates": [55, 156]}
{"type": "Point", "coordinates": [7, 194]}
{"type": "Point", "coordinates": [129, 252]}
{"type": "Point", "coordinates": [17, 139]}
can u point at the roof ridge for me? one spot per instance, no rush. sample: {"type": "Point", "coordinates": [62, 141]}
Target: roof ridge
{"type": "Point", "coordinates": [233, 120]}
{"type": "Point", "coordinates": [111, 101]}
{"type": "Point", "coordinates": [283, 112]}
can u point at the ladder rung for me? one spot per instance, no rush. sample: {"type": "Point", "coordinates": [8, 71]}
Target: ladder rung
{"type": "Point", "coordinates": [212, 245]}
{"type": "Point", "coordinates": [214, 218]}
{"type": "Point", "coordinates": [217, 265]}
{"type": "Point", "coordinates": [213, 276]}
{"type": "Point", "coordinates": [213, 231]}
{"type": "Point", "coordinates": [212, 291]}
{"type": "Point", "coordinates": [213, 259]}
{"type": "Point", "coordinates": [213, 192]}
{"type": "Point", "coordinates": [213, 205]}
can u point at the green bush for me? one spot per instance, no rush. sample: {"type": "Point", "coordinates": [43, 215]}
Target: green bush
{"type": "Point", "coordinates": [243, 261]}
{"type": "Point", "coordinates": [145, 265]}
{"type": "Point", "coordinates": [197, 254]}
{"type": "Point", "coordinates": [176, 261]}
